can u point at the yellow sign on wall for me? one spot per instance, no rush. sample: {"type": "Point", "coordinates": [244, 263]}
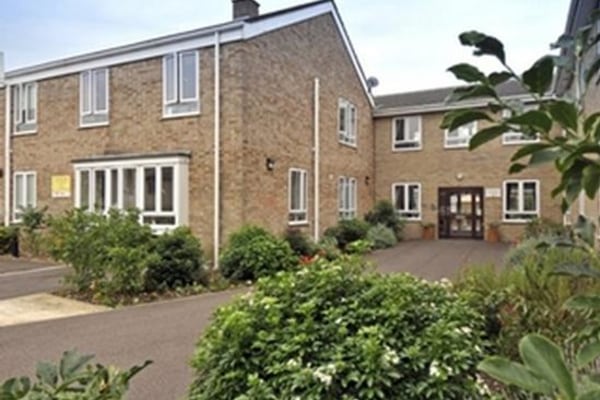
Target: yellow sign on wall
{"type": "Point", "coordinates": [61, 186]}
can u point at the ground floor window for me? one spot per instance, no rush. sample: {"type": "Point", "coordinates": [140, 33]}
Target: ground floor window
{"type": "Point", "coordinates": [406, 198]}
{"type": "Point", "coordinates": [25, 193]}
{"type": "Point", "coordinates": [156, 187]}
{"type": "Point", "coordinates": [298, 196]}
{"type": "Point", "coordinates": [521, 200]}
{"type": "Point", "coordinates": [346, 198]}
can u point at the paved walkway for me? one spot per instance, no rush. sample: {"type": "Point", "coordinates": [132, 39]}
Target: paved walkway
{"type": "Point", "coordinates": [19, 277]}
{"type": "Point", "coordinates": [438, 259]}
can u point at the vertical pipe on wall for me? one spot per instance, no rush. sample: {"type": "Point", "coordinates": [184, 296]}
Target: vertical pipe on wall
{"type": "Point", "coordinates": [217, 158]}
{"type": "Point", "coordinates": [317, 157]}
{"type": "Point", "coordinates": [7, 174]}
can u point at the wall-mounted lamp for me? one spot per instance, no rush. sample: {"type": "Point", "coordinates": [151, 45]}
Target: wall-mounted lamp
{"type": "Point", "coordinates": [460, 176]}
{"type": "Point", "coordinates": [367, 180]}
{"type": "Point", "coordinates": [270, 164]}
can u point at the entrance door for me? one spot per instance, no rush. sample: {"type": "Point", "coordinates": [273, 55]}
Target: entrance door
{"type": "Point", "coordinates": [461, 212]}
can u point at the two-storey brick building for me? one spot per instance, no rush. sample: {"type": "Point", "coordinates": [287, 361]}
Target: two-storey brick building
{"type": "Point", "coordinates": [266, 119]}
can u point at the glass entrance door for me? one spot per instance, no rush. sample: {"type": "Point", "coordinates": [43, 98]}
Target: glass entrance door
{"type": "Point", "coordinates": [461, 212]}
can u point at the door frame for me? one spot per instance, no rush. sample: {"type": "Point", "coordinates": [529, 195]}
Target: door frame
{"type": "Point", "coordinates": [443, 226]}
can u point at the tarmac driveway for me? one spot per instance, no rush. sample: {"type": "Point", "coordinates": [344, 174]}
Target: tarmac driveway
{"type": "Point", "coordinates": [20, 277]}
{"type": "Point", "coordinates": [438, 259]}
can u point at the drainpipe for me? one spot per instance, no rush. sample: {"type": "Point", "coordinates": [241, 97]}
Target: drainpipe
{"type": "Point", "coordinates": [217, 158]}
{"type": "Point", "coordinates": [317, 157]}
{"type": "Point", "coordinates": [7, 174]}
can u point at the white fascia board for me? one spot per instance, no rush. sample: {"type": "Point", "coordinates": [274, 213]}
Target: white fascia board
{"type": "Point", "coordinates": [437, 107]}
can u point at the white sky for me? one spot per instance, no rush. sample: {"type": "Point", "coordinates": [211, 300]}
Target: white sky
{"type": "Point", "coordinates": [406, 44]}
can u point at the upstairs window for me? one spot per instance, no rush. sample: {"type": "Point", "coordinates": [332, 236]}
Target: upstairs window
{"type": "Point", "coordinates": [180, 83]}
{"type": "Point", "coordinates": [298, 196]}
{"type": "Point", "coordinates": [347, 122]}
{"type": "Point", "coordinates": [346, 198]}
{"type": "Point", "coordinates": [94, 97]}
{"type": "Point", "coordinates": [460, 137]}
{"type": "Point", "coordinates": [521, 200]}
{"type": "Point", "coordinates": [407, 133]}
{"type": "Point", "coordinates": [25, 193]}
{"type": "Point", "coordinates": [24, 108]}
{"type": "Point", "coordinates": [406, 198]}
{"type": "Point", "coordinates": [514, 137]}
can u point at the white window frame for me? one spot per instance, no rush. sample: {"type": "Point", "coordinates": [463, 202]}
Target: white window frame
{"type": "Point", "coordinates": [516, 138]}
{"type": "Point", "coordinates": [178, 84]}
{"type": "Point", "coordinates": [16, 207]}
{"type": "Point", "coordinates": [348, 135]}
{"type": "Point", "coordinates": [20, 116]}
{"type": "Point", "coordinates": [347, 197]}
{"type": "Point", "coordinates": [397, 144]}
{"type": "Point", "coordinates": [303, 209]}
{"type": "Point", "coordinates": [460, 145]}
{"type": "Point", "coordinates": [521, 200]}
{"type": "Point", "coordinates": [91, 97]}
{"type": "Point", "coordinates": [180, 187]}
{"type": "Point", "coordinates": [406, 191]}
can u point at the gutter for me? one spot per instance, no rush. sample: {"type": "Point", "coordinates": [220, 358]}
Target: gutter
{"type": "Point", "coordinates": [217, 149]}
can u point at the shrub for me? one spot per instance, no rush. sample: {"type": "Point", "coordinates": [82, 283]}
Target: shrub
{"type": "Point", "coordinates": [33, 220]}
{"type": "Point", "coordinates": [385, 214]}
{"type": "Point", "coordinates": [253, 253]}
{"type": "Point", "coordinates": [328, 248]}
{"type": "Point", "coordinates": [543, 227]}
{"type": "Point", "coordinates": [178, 261]}
{"type": "Point", "coordinates": [108, 254]}
{"type": "Point", "coordinates": [381, 236]}
{"type": "Point", "coordinates": [300, 243]}
{"type": "Point", "coordinates": [331, 331]}
{"type": "Point", "coordinates": [9, 240]}
{"type": "Point", "coordinates": [347, 231]}
{"type": "Point", "coordinates": [359, 247]}
{"type": "Point", "coordinates": [73, 378]}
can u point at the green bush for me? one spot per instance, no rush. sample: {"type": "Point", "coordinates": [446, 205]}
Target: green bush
{"type": "Point", "coordinates": [527, 297]}
{"type": "Point", "coordinates": [33, 221]}
{"type": "Point", "coordinates": [543, 227]}
{"type": "Point", "coordinates": [385, 214]}
{"type": "Point", "coordinates": [300, 243]}
{"type": "Point", "coordinates": [108, 254]}
{"type": "Point", "coordinates": [253, 253]}
{"type": "Point", "coordinates": [359, 247]}
{"type": "Point", "coordinates": [381, 236]}
{"type": "Point", "coordinates": [348, 231]}
{"type": "Point", "coordinates": [332, 331]}
{"type": "Point", "coordinates": [9, 240]}
{"type": "Point", "coordinates": [179, 261]}
{"type": "Point", "coordinates": [328, 248]}
{"type": "Point", "coordinates": [74, 377]}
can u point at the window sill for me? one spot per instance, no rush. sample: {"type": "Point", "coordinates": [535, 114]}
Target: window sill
{"type": "Point", "coordinates": [25, 133]}
{"type": "Point", "coordinates": [518, 221]}
{"type": "Point", "coordinates": [182, 115]}
{"type": "Point", "coordinates": [520, 143]}
{"type": "Point", "coordinates": [351, 145]}
{"type": "Point", "coordinates": [406, 149]}
{"type": "Point", "coordinates": [460, 147]}
{"type": "Point", "coordinates": [298, 223]}
{"type": "Point", "coordinates": [95, 125]}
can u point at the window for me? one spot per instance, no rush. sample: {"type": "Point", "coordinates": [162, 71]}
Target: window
{"type": "Point", "coordinates": [25, 193]}
{"type": "Point", "coordinates": [347, 122]}
{"type": "Point", "coordinates": [94, 97]}
{"type": "Point", "coordinates": [460, 137]}
{"type": "Point", "coordinates": [24, 108]}
{"type": "Point", "coordinates": [148, 185]}
{"type": "Point", "coordinates": [517, 137]}
{"type": "Point", "coordinates": [406, 133]}
{"type": "Point", "coordinates": [406, 198]}
{"type": "Point", "coordinates": [521, 200]}
{"type": "Point", "coordinates": [298, 196]}
{"type": "Point", "coordinates": [346, 198]}
{"type": "Point", "coordinates": [180, 83]}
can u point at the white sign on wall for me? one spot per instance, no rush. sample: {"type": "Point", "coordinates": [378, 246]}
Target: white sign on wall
{"type": "Point", "coordinates": [493, 193]}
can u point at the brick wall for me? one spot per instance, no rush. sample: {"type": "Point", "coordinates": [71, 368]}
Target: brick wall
{"type": "Point", "coordinates": [435, 167]}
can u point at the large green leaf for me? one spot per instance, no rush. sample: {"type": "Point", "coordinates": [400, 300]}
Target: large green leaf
{"type": "Point", "coordinates": [71, 362]}
{"type": "Point", "coordinates": [577, 271]}
{"type": "Point", "coordinates": [496, 78]}
{"type": "Point", "coordinates": [458, 118]}
{"type": "Point", "coordinates": [565, 113]}
{"type": "Point", "coordinates": [588, 353]}
{"type": "Point", "coordinates": [544, 359]}
{"type": "Point", "coordinates": [512, 373]}
{"type": "Point", "coordinates": [590, 123]}
{"type": "Point", "coordinates": [487, 134]}
{"type": "Point", "coordinates": [544, 156]}
{"type": "Point", "coordinates": [591, 180]}
{"type": "Point", "coordinates": [585, 229]}
{"type": "Point", "coordinates": [467, 73]}
{"type": "Point", "coordinates": [516, 168]}
{"type": "Point", "coordinates": [592, 71]}
{"type": "Point", "coordinates": [529, 149]}
{"type": "Point", "coordinates": [483, 44]}
{"type": "Point", "coordinates": [47, 373]}
{"type": "Point", "coordinates": [535, 119]}
{"type": "Point", "coordinates": [15, 388]}
{"type": "Point", "coordinates": [539, 77]}
{"type": "Point", "coordinates": [583, 302]}
{"type": "Point", "coordinates": [471, 92]}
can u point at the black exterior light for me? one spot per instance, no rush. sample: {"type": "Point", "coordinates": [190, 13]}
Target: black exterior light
{"type": "Point", "coordinates": [270, 164]}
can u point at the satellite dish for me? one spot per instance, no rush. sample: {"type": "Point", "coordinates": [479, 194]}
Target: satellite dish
{"type": "Point", "coordinates": [372, 82]}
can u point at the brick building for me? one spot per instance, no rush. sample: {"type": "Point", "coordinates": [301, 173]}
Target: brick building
{"type": "Point", "coordinates": [266, 119]}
